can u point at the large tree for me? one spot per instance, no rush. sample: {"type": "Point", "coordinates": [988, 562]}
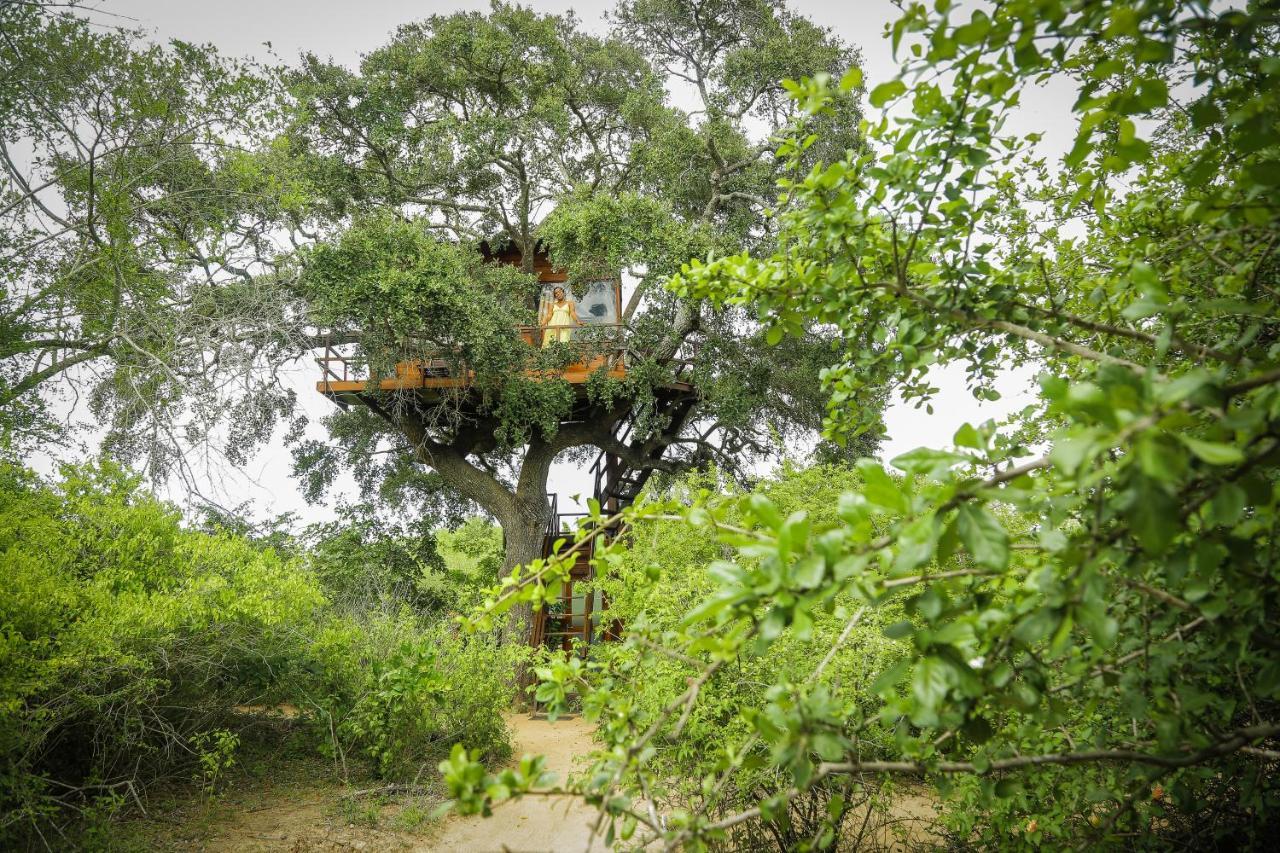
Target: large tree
{"type": "Point", "coordinates": [515, 129]}
{"type": "Point", "coordinates": [136, 242]}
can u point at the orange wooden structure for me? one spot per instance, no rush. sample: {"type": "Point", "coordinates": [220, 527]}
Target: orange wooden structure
{"type": "Point", "coordinates": [343, 378]}
{"type": "Point", "coordinates": [574, 621]}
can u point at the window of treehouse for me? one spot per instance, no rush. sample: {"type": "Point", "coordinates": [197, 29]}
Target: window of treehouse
{"type": "Point", "coordinates": [599, 305]}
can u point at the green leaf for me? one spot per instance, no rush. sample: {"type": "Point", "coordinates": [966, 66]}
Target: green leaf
{"type": "Point", "coordinates": [1038, 626]}
{"type": "Point", "coordinates": [880, 489]}
{"type": "Point", "coordinates": [851, 80]}
{"type": "Point", "coordinates": [929, 605]}
{"type": "Point", "coordinates": [929, 682]}
{"type": "Point", "coordinates": [1007, 788]}
{"type": "Point", "coordinates": [1160, 458]}
{"type": "Point", "coordinates": [1266, 173]}
{"type": "Point", "coordinates": [1212, 452]}
{"type": "Point", "coordinates": [983, 536]}
{"type": "Point", "coordinates": [1228, 505]}
{"type": "Point", "coordinates": [1069, 454]}
{"type": "Point", "coordinates": [1152, 515]}
{"type": "Point", "coordinates": [828, 746]}
{"type": "Point", "coordinates": [889, 679]}
{"type": "Point", "coordinates": [916, 544]}
{"type": "Point", "coordinates": [935, 464]}
{"type": "Point", "coordinates": [809, 571]}
{"type": "Point", "coordinates": [898, 630]}
{"type": "Point", "coordinates": [968, 436]}
{"type": "Point", "coordinates": [886, 92]}
{"type": "Point", "coordinates": [711, 607]}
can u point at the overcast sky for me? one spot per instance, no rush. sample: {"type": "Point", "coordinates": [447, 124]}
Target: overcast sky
{"type": "Point", "coordinates": [345, 30]}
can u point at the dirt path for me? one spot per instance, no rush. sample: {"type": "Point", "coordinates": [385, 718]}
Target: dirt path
{"type": "Point", "coordinates": [293, 813]}
{"type": "Point", "coordinates": [299, 812]}
{"type": "Point", "coordinates": [532, 824]}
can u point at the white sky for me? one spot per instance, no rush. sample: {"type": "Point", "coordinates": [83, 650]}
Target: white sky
{"type": "Point", "coordinates": [345, 30]}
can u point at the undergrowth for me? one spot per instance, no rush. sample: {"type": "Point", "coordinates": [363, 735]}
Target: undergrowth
{"type": "Point", "coordinates": [134, 650]}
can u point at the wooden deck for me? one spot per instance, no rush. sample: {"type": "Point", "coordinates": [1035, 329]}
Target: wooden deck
{"type": "Point", "coordinates": [433, 379]}
{"type": "Point", "coordinates": [411, 376]}
{"type": "Point", "coordinates": [344, 378]}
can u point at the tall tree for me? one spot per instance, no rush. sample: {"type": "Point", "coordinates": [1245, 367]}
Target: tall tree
{"type": "Point", "coordinates": [518, 129]}
{"type": "Point", "coordinates": [134, 245]}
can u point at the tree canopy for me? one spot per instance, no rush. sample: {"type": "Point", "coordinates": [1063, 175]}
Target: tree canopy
{"type": "Point", "coordinates": [185, 225]}
{"type": "Point", "coordinates": [136, 248]}
{"type": "Point", "coordinates": [471, 132]}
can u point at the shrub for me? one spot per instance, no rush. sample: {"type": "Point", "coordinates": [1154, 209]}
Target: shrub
{"type": "Point", "coordinates": [405, 694]}
{"type": "Point", "coordinates": [650, 586]}
{"type": "Point", "coordinates": [130, 646]}
{"type": "Point", "coordinates": [364, 561]}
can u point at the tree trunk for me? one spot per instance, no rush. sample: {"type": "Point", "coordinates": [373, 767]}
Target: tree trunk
{"type": "Point", "coordinates": [524, 514]}
{"type": "Point", "coordinates": [522, 535]}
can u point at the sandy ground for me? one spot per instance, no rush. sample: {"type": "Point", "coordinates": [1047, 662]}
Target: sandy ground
{"type": "Point", "coordinates": [298, 817]}
{"type": "Point", "coordinates": [301, 816]}
{"type": "Point", "coordinates": [533, 823]}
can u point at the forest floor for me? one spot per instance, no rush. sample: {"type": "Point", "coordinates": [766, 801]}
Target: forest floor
{"type": "Point", "coordinates": [293, 806]}
{"type": "Point", "coordinates": [296, 806]}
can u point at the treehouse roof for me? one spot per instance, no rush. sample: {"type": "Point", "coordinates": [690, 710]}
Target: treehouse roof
{"type": "Point", "coordinates": [509, 253]}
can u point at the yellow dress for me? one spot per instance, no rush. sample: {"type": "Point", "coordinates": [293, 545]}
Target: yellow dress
{"type": "Point", "coordinates": [560, 325]}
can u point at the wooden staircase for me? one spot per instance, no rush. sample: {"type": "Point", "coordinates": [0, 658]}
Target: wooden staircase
{"type": "Point", "coordinates": [571, 618]}
{"type": "Point", "coordinates": [574, 620]}
{"type": "Point", "coordinates": [617, 483]}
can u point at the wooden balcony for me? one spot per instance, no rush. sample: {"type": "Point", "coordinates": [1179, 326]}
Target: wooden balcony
{"type": "Point", "coordinates": [345, 376]}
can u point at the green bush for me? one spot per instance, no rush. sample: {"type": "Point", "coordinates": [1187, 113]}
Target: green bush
{"type": "Point", "coordinates": [650, 586]}
{"type": "Point", "coordinates": [131, 647]}
{"type": "Point", "coordinates": [401, 694]}
{"type": "Point", "coordinates": [365, 562]}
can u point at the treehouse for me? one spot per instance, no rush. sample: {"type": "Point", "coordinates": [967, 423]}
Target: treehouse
{"type": "Point", "coordinates": [588, 325]}
{"type": "Point", "coordinates": [591, 338]}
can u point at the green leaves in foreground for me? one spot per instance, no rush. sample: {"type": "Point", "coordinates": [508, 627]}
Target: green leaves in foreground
{"type": "Point", "coordinates": [983, 536]}
{"type": "Point", "coordinates": [1081, 601]}
{"type": "Point", "coordinates": [474, 791]}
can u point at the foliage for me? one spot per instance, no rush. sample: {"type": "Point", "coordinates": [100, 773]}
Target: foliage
{"type": "Point", "coordinates": [527, 134]}
{"type": "Point", "coordinates": [401, 692]}
{"type": "Point", "coordinates": [472, 554]}
{"type": "Point", "coordinates": [407, 294]}
{"type": "Point", "coordinates": [1088, 656]}
{"type": "Point", "coordinates": [134, 249]}
{"type": "Point", "coordinates": [649, 586]}
{"type": "Point", "coordinates": [463, 773]}
{"type": "Point", "coordinates": [216, 751]}
{"type": "Point", "coordinates": [133, 649]}
{"type": "Point", "coordinates": [503, 108]}
{"type": "Point", "coordinates": [420, 704]}
{"type": "Point", "coordinates": [365, 563]}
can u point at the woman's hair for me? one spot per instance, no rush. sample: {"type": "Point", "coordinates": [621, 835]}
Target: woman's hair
{"type": "Point", "coordinates": [557, 291]}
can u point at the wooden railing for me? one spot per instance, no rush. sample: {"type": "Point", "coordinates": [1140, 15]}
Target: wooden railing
{"type": "Point", "coordinates": [580, 335]}
{"type": "Point", "coordinates": [590, 341]}
{"type": "Point", "coordinates": [331, 357]}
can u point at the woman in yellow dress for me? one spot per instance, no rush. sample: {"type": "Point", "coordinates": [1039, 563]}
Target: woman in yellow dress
{"type": "Point", "coordinates": [559, 318]}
